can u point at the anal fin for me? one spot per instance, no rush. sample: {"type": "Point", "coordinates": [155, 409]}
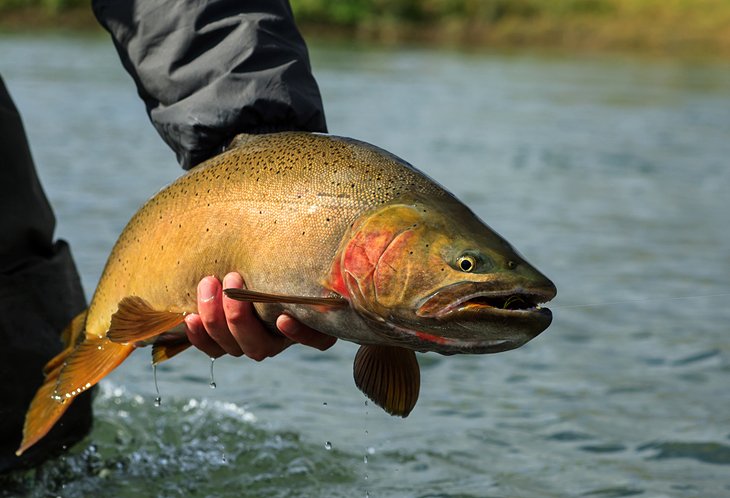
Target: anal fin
{"type": "Point", "coordinates": [168, 345]}
{"type": "Point", "coordinates": [135, 320]}
{"type": "Point", "coordinates": [389, 376]}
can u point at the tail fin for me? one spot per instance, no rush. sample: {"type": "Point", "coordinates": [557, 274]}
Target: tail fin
{"type": "Point", "coordinates": [88, 359]}
{"type": "Point", "coordinates": [71, 372]}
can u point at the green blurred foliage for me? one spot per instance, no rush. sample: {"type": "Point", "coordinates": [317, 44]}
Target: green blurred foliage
{"type": "Point", "coordinates": [51, 6]}
{"type": "Point", "coordinates": [351, 12]}
{"type": "Point", "coordinates": [663, 25]}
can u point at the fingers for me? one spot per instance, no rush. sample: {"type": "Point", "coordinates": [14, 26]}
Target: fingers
{"type": "Point", "coordinates": [208, 330]}
{"type": "Point", "coordinates": [198, 337]}
{"type": "Point", "coordinates": [245, 327]}
{"type": "Point", "coordinates": [298, 332]}
{"type": "Point", "coordinates": [223, 325]}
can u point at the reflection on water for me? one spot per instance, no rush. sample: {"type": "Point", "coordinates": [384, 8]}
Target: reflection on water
{"type": "Point", "coordinates": [610, 174]}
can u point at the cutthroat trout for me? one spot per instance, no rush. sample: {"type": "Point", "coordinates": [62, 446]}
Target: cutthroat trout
{"type": "Point", "coordinates": [339, 234]}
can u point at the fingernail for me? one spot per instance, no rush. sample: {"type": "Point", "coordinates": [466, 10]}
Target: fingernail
{"type": "Point", "coordinates": [232, 280]}
{"type": "Point", "coordinates": [206, 290]}
{"type": "Point", "coordinates": [287, 325]}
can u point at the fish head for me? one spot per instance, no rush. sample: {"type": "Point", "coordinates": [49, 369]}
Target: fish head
{"type": "Point", "coordinates": [433, 277]}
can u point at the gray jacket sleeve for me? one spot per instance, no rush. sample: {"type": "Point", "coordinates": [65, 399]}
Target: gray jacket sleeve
{"type": "Point", "coordinates": [208, 70]}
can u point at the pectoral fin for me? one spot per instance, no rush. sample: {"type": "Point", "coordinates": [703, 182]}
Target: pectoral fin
{"type": "Point", "coordinates": [262, 297]}
{"type": "Point", "coordinates": [389, 376]}
{"type": "Point", "coordinates": [135, 320]}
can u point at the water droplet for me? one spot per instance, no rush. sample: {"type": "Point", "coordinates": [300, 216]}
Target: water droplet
{"type": "Point", "coordinates": [212, 378]}
{"type": "Point", "coordinates": [224, 458]}
{"type": "Point", "coordinates": [327, 446]}
{"type": "Point", "coordinates": [158, 399]}
{"type": "Point", "coordinates": [365, 459]}
{"type": "Point", "coordinates": [324, 404]}
{"type": "Point", "coordinates": [371, 450]}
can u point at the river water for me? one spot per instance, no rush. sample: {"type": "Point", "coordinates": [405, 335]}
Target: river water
{"type": "Point", "coordinates": [610, 174]}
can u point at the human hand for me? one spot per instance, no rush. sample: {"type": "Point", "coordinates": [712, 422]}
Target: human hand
{"type": "Point", "coordinates": [223, 325]}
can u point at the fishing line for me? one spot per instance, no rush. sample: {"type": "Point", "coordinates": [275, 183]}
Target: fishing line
{"type": "Point", "coordinates": [645, 299]}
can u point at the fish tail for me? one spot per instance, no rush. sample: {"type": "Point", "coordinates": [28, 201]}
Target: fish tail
{"type": "Point", "coordinates": [73, 371]}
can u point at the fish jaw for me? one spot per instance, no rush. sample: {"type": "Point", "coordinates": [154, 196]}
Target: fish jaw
{"type": "Point", "coordinates": [481, 317]}
{"type": "Point", "coordinates": [466, 299]}
{"type": "Point", "coordinates": [476, 335]}
{"type": "Point", "coordinates": [463, 319]}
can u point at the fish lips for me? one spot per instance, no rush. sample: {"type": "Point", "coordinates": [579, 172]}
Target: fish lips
{"type": "Point", "coordinates": [484, 320]}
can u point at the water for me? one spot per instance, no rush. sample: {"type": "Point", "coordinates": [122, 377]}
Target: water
{"type": "Point", "coordinates": [610, 174]}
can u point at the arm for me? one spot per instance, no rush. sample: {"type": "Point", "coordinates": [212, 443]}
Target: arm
{"type": "Point", "coordinates": [207, 71]}
{"type": "Point", "coordinates": [210, 70]}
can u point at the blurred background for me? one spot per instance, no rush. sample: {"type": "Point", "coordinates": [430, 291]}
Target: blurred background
{"type": "Point", "coordinates": [676, 26]}
{"type": "Point", "coordinates": [592, 134]}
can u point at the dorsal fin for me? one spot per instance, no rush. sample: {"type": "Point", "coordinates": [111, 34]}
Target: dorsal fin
{"type": "Point", "coordinates": [240, 140]}
{"type": "Point", "coordinates": [389, 376]}
{"type": "Point", "coordinates": [135, 320]}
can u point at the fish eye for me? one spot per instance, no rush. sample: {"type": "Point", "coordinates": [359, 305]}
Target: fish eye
{"type": "Point", "coordinates": [466, 263]}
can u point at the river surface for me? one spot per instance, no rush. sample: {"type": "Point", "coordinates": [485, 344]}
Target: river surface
{"type": "Point", "coordinates": [610, 174]}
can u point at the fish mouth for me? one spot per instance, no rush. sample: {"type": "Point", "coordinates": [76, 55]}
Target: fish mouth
{"type": "Point", "coordinates": [475, 318]}
{"type": "Point", "coordinates": [511, 303]}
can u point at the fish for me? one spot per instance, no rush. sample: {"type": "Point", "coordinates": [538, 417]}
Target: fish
{"type": "Point", "coordinates": [342, 235]}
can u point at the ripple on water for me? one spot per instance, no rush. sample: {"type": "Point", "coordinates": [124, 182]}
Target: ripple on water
{"type": "Point", "coordinates": [696, 358]}
{"type": "Point", "coordinates": [617, 492]}
{"type": "Point", "coordinates": [603, 448]}
{"type": "Point", "coordinates": [706, 452]}
{"type": "Point", "coordinates": [570, 436]}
